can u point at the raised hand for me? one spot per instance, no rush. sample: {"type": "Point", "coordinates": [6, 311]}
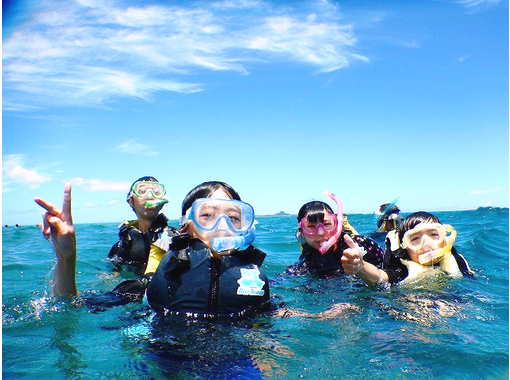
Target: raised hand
{"type": "Point", "coordinates": [352, 258]}
{"type": "Point", "coordinates": [58, 225]}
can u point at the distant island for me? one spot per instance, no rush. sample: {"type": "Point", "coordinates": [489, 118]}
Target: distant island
{"type": "Point", "coordinates": [281, 213]}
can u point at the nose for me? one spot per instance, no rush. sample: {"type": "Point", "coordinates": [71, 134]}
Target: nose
{"type": "Point", "coordinates": [320, 230]}
{"type": "Point", "coordinates": [222, 224]}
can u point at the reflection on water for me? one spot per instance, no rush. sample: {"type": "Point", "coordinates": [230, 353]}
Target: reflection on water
{"type": "Point", "coordinates": [321, 327]}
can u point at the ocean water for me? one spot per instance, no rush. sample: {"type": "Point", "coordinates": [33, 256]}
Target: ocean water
{"type": "Point", "coordinates": [439, 328]}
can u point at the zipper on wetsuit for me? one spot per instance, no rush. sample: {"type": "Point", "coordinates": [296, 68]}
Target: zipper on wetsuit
{"type": "Point", "coordinates": [214, 288]}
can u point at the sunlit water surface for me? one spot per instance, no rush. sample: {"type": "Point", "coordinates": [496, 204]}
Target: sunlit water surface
{"type": "Point", "coordinates": [440, 328]}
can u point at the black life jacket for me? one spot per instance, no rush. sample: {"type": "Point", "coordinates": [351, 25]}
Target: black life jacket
{"type": "Point", "coordinates": [134, 246]}
{"type": "Point", "coordinates": [191, 282]}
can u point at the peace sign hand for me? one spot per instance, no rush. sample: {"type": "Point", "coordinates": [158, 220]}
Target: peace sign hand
{"type": "Point", "coordinates": [59, 224]}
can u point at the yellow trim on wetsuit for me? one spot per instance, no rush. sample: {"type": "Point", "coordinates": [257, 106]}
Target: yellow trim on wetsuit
{"type": "Point", "coordinates": [155, 256]}
{"type": "Point", "coordinates": [348, 227]}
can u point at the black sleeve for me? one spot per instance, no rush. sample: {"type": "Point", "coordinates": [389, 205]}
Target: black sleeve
{"type": "Point", "coordinates": [393, 267]}
{"type": "Point", "coordinates": [374, 253]}
{"type": "Point", "coordinates": [134, 288]}
{"type": "Point", "coordinates": [462, 263]}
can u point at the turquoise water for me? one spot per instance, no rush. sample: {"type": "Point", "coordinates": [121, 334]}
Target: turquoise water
{"type": "Point", "coordinates": [444, 328]}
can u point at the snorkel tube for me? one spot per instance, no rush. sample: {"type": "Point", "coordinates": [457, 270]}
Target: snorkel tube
{"type": "Point", "coordinates": [431, 256]}
{"type": "Point", "coordinates": [226, 243]}
{"type": "Point", "coordinates": [379, 215]}
{"type": "Point", "coordinates": [326, 245]}
{"type": "Point", "coordinates": [153, 203]}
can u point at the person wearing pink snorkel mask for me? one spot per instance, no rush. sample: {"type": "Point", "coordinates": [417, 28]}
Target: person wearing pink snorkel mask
{"type": "Point", "coordinates": [146, 197]}
{"type": "Point", "coordinates": [325, 237]}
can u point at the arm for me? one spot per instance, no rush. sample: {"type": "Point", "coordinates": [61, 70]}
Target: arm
{"type": "Point", "coordinates": [353, 263]}
{"type": "Point", "coordinates": [58, 225]}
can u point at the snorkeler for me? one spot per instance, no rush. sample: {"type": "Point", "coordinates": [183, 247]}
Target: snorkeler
{"type": "Point", "coordinates": [325, 237]}
{"type": "Point", "coordinates": [387, 217]}
{"type": "Point", "coordinates": [146, 197]}
{"type": "Point", "coordinates": [419, 244]}
{"type": "Point", "coordinates": [211, 269]}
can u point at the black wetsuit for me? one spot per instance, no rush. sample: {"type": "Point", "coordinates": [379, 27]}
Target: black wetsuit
{"type": "Point", "coordinates": [192, 282]}
{"type": "Point", "coordinates": [312, 261]}
{"type": "Point", "coordinates": [134, 246]}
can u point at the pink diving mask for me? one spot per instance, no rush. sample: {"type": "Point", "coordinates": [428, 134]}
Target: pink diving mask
{"type": "Point", "coordinates": [333, 228]}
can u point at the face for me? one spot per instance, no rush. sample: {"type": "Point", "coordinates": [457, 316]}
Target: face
{"type": "Point", "coordinates": [425, 240]}
{"type": "Point", "coordinates": [141, 210]}
{"type": "Point", "coordinates": [206, 237]}
{"type": "Point", "coordinates": [322, 234]}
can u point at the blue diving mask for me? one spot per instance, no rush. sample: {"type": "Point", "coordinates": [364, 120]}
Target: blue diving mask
{"type": "Point", "coordinates": [210, 214]}
{"type": "Point", "coordinates": [230, 220]}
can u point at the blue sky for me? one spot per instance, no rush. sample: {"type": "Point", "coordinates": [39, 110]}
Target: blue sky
{"type": "Point", "coordinates": [281, 99]}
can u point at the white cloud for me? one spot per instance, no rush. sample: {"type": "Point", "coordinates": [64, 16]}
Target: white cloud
{"type": "Point", "coordinates": [134, 147]}
{"type": "Point", "coordinates": [462, 59]}
{"type": "Point", "coordinates": [100, 185]}
{"type": "Point", "coordinates": [88, 52]}
{"type": "Point", "coordinates": [14, 172]}
{"type": "Point", "coordinates": [484, 191]}
{"type": "Point", "coordinates": [478, 5]}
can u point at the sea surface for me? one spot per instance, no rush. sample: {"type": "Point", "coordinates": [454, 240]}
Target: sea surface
{"type": "Point", "coordinates": [333, 328]}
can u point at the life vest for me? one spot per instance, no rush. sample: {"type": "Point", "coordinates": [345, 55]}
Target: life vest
{"type": "Point", "coordinates": [191, 282]}
{"type": "Point", "coordinates": [134, 246]}
{"type": "Point", "coordinates": [448, 264]}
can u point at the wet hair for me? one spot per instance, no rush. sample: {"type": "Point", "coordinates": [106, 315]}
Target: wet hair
{"type": "Point", "coordinates": [413, 220]}
{"type": "Point", "coordinates": [315, 211]}
{"type": "Point", "coordinates": [205, 190]}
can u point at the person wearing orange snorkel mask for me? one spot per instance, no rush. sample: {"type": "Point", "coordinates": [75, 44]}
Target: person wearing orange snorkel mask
{"type": "Point", "coordinates": [325, 237]}
{"type": "Point", "coordinates": [146, 197]}
{"type": "Point", "coordinates": [419, 244]}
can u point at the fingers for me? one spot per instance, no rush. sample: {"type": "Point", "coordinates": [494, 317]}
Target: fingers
{"type": "Point", "coordinates": [49, 207]}
{"type": "Point", "coordinates": [66, 204]}
{"type": "Point", "coordinates": [350, 243]}
{"type": "Point", "coordinates": [352, 257]}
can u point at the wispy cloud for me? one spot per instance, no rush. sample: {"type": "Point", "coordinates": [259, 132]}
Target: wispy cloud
{"type": "Point", "coordinates": [13, 171]}
{"type": "Point", "coordinates": [462, 59]}
{"type": "Point", "coordinates": [134, 147]}
{"type": "Point", "coordinates": [484, 191]}
{"type": "Point", "coordinates": [100, 185]}
{"type": "Point", "coordinates": [478, 5]}
{"type": "Point", "coordinates": [88, 52]}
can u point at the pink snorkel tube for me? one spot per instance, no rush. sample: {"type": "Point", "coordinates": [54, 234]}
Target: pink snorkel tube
{"type": "Point", "coordinates": [324, 246]}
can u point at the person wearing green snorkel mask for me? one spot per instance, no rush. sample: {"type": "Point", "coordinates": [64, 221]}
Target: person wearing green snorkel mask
{"type": "Point", "coordinates": [420, 244]}
{"type": "Point", "coordinates": [146, 197]}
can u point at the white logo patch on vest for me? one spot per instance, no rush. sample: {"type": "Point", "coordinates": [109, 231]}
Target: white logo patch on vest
{"type": "Point", "coordinates": [250, 283]}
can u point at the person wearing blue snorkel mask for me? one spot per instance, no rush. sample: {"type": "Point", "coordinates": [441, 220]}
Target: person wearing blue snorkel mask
{"type": "Point", "coordinates": [146, 197]}
{"type": "Point", "coordinates": [211, 270]}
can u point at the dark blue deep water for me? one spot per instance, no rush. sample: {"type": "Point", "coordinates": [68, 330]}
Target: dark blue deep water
{"type": "Point", "coordinates": [440, 328]}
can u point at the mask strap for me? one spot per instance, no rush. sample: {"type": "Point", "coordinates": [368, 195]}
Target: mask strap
{"type": "Point", "coordinates": [340, 216]}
